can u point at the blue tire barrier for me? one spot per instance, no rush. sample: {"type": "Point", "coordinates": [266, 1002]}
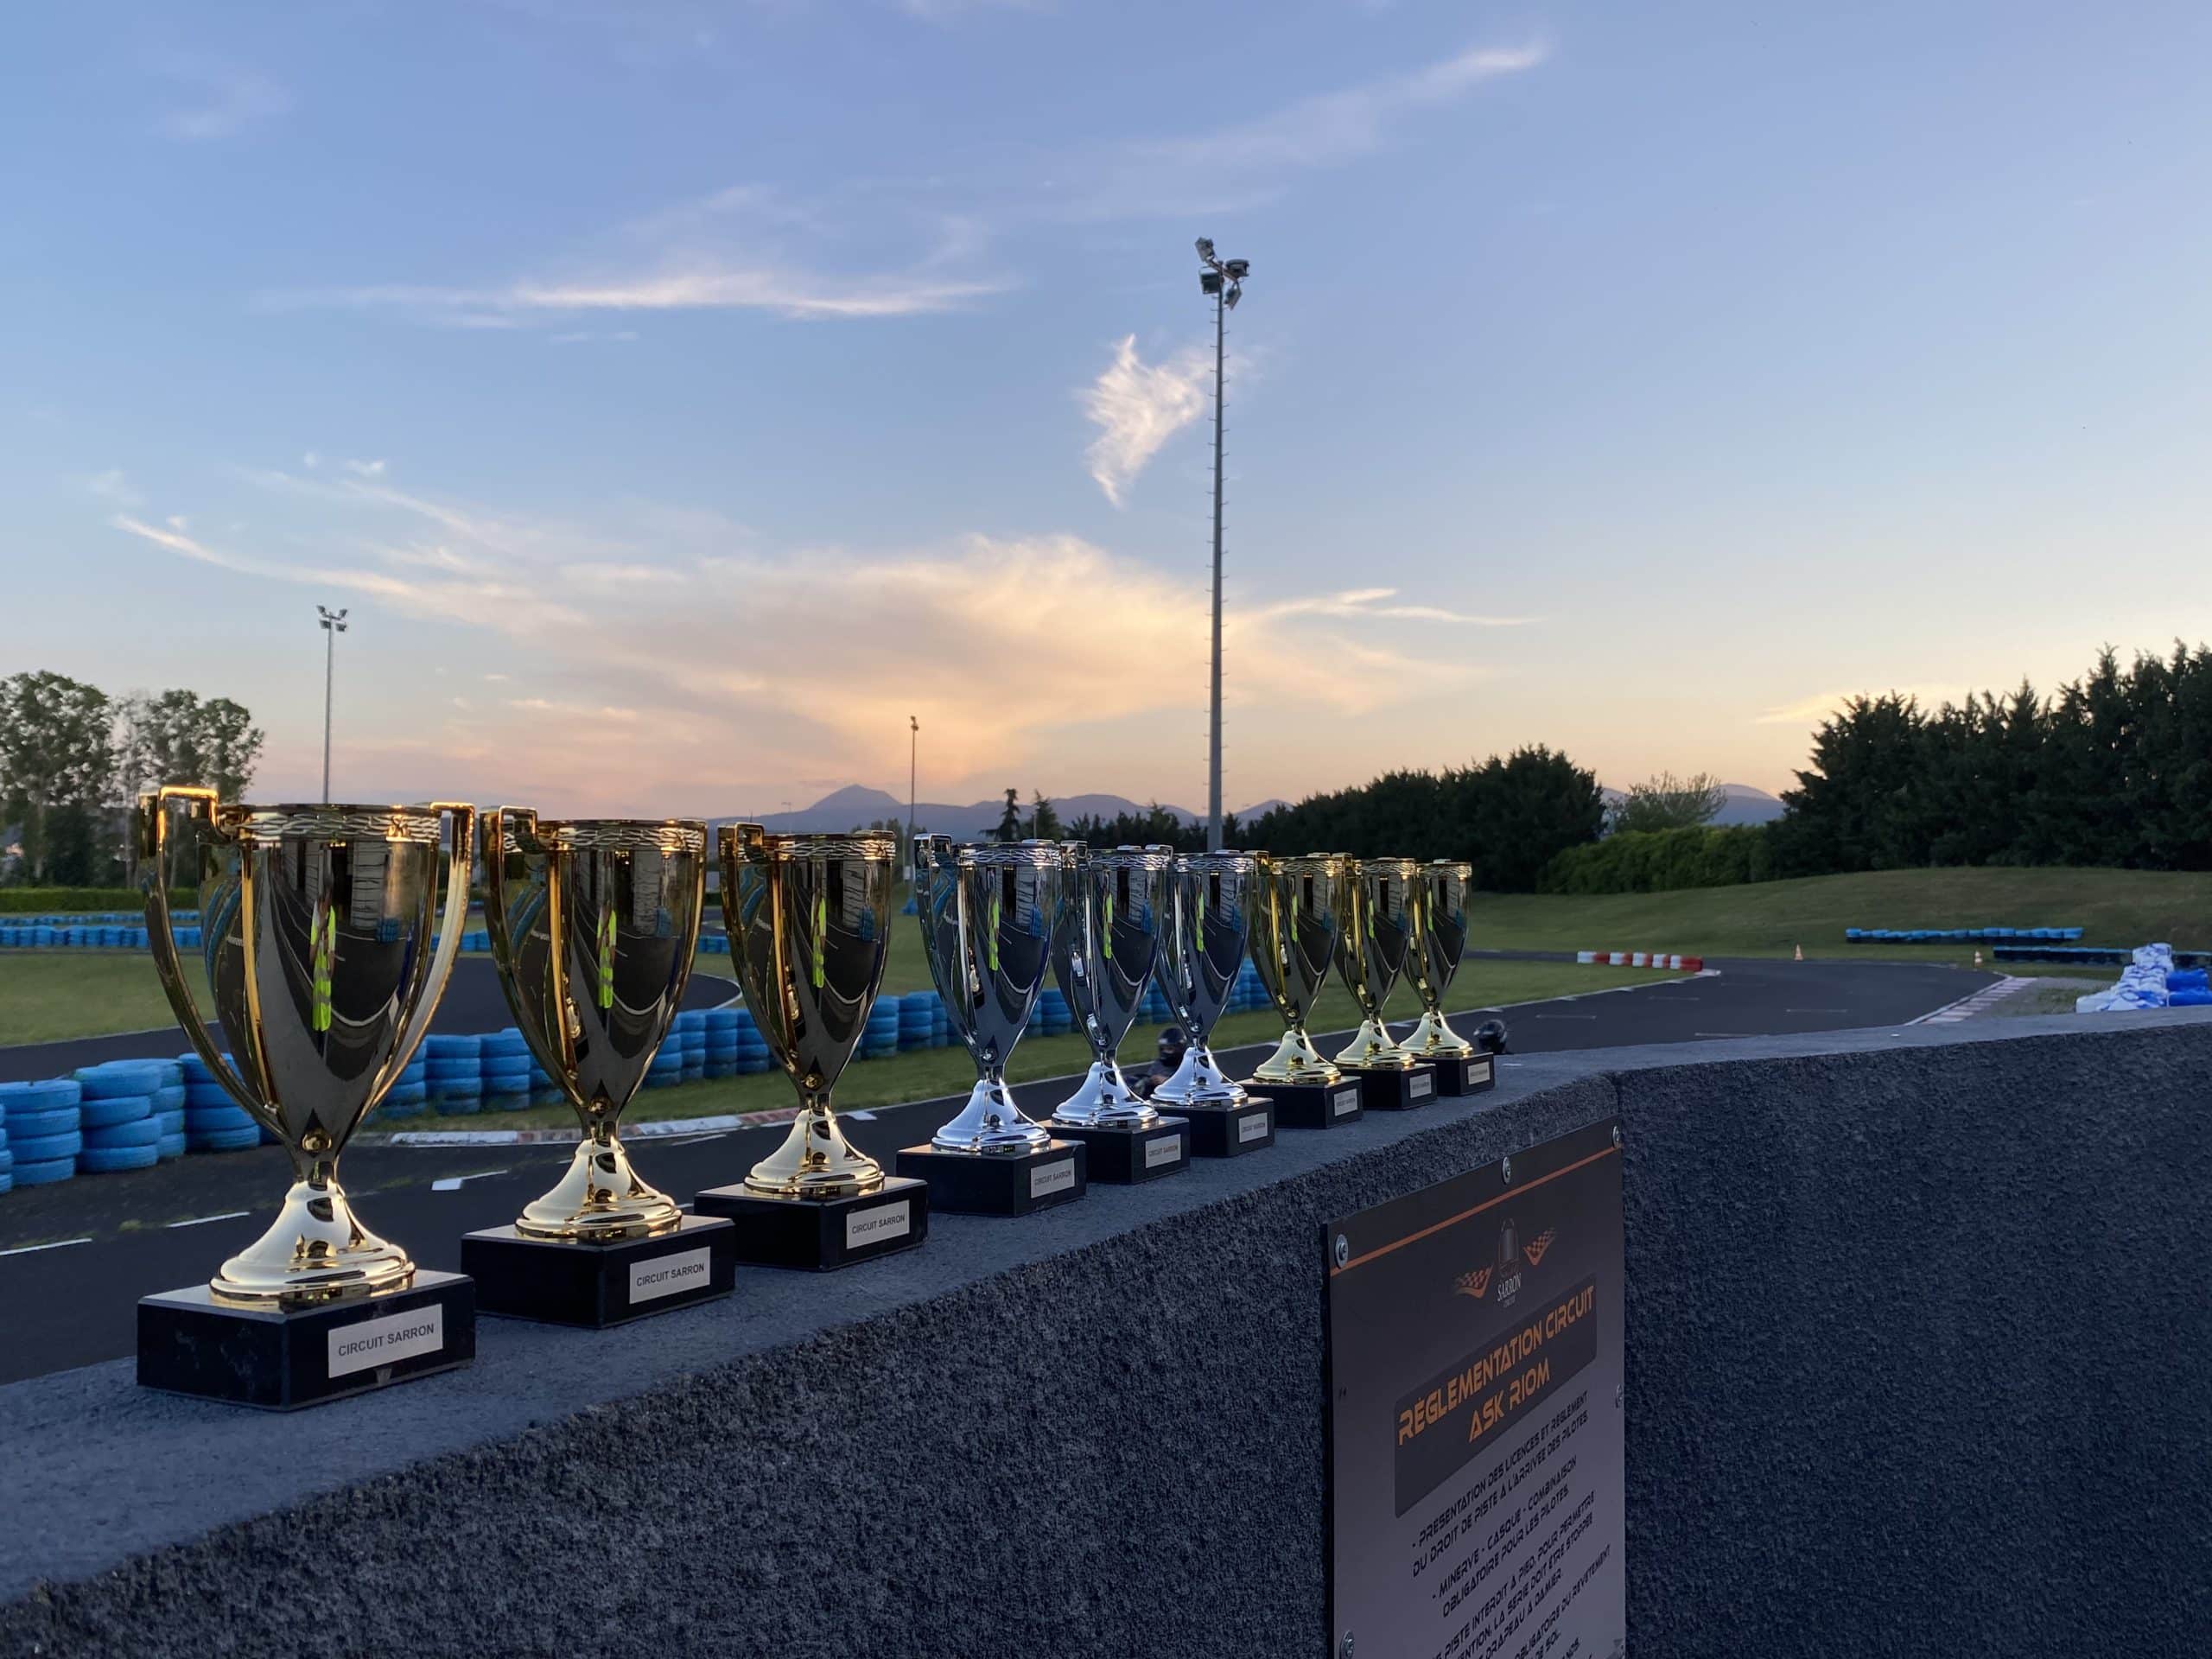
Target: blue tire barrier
{"type": "Point", "coordinates": [169, 1097]}
{"type": "Point", "coordinates": [107, 1160]}
{"type": "Point", "coordinates": [219, 1120]}
{"type": "Point", "coordinates": [139, 1132]}
{"type": "Point", "coordinates": [170, 1146]}
{"type": "Point", "coordinates": [753, 1064]}
{"type": "Point", "coordinates": [506, 1080]}
{"type": "Point", "coordinates": [506, 1103]}
{"type": "Point", "coordinates": [46, 1148]}
{"type": "Point", "coordinates": [170, 1122]}
{"type": "Point", "coordinates": [44, 1175]}
{"type": "Point", "coordinates": [58, 1119]}
{"type": "Point", "coordinates": [720, 1068]}
{"type": "Point", "coordinates": [223, 1140]}
{"type": "Point", "coordinates": [117, 1109]}
{"type": "Point", "coordinates": [206, 1096]}
{"type": "Point", "coordinates": [40, 1096]}
{"type": "Point", "coordinates": [458, 1105]}
{"type": "Point", "coordinates": [7, 1162]}
{"type": "Point", "coordinates": [407, 1094]}
{"type": "Point", "coordinates": [123, 1078]}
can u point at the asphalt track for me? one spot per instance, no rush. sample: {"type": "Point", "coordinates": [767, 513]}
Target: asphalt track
{"type": "Point", "coordinates": [82, 1252]}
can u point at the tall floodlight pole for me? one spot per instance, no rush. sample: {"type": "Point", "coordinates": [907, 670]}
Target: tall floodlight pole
{"type": "Point", "coordinates": [333, 624]}
{"type": "Point", "coordinates": [1224, 280]}
{"type": "Point", "coordinates": [913, 752]}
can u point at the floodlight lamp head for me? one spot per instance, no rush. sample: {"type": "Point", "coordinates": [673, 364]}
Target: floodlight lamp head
{"type": "Point", "coordinates": [1238, 270]}
{"type": "Point", "coordinates": [1209, 282]}
{"type": "Point", "coordinates": [1205, 249]}
{"type": "Point", "coordinates": [1231, 298]}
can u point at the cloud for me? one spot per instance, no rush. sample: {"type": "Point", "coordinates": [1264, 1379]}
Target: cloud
{"type": "Point", "coordinates": [1245, 162]}
{"type": "Point", "coordinates": [947, 11]}
{"type": "Point", "coordinates": [1137, 407]}
{"type": "Point", "coordinates": [706, 667]}
{"type": "Point", "coordinates": [1366, 603]}
{"type": "Point", "coordinates": [744, 248]}
{"type": "Point", "coordinates": [1808, 710]}
{"type": "Point", "coordinates": [112, 486]}
{"type": "Point", "coordinates": [226, 99]}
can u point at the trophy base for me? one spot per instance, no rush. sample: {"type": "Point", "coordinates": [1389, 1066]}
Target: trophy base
{"type": "Point", "coordinates": [984, 1184]}
{"type": "Point", "coordinates": [817, 1235]}
{"type": "Point", "coordinates": [1395, 1090]}
{"type": "Point", "coordinates": [1464, 1074]}
{"type": "Point", "coordinates": [571, 1281]}
{"type": "Point", "coordinates": [1230, 1131]}
{"type": "Point", "coordinates": [281, 1359]}
{"type": "Point", "coordinates": [1125, 1157]}
{"type": "Point", "coordinates": [1312, 1105]}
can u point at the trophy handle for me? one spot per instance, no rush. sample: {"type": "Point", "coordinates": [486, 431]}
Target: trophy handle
{"type": "Point", "coordinates": [153, 847]}
{"type": "Point", "coordinates": [460, 838]}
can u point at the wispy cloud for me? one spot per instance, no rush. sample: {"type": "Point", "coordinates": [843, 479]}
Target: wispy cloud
{"type": "Point", "coordinates": [1807, 710]}
{"type": "Point", "coordinates": [1369, 603]}
{"type": "Point", "coordinates": [111, 485]}
{"type": "Point", "coordinates": [1249, 161]}
{"type": "Point", "coordinates": [225, 99]}
{"type": "Point", "coordinates": [365, 468]}
{"type": "Point", "coordinates": [1137, 406]}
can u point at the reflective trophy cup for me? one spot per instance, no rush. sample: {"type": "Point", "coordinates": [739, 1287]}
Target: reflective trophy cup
{"type": "Point", "coordinates": [988, 915]}
{"type": "Point", "coordinates": [809, 918]}
{"type": "Point", "coordinates": [1440, 918]}
{"type": "Point", "coordinates": [1370, 954]}
{"type": "Point", "coordinates": [594, 924]}
{"type": "Point", "coordinates": [1209, 913]}
{"type": "Point", "coordinates": [1297, 905]}
{"type": "Point", "coordinates": [1103, 951]}
{"type": "Point", "coordinates": [325, 950]}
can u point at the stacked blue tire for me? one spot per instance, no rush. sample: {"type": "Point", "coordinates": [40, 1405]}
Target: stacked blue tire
{"type": "Point", "coordinates": [7, 1158]}
{"type": "Point", "coordinates": [117, 1129]}
{"type": "Point", "coordinates": [719, 1026]}
{"type": "Point", "coordinates": [918, 1020]}
{"type": "Point", "coordinates": [667, 1068]}
{"type": "Point", "coordinates": [687, 1036]}
{"type": "Point", "coordinates": [45, 1130]}
{"type": "Point", "coordinates": [213, 1120]}
{"type": "Point", "coordinates": [453, 1073]}
{"type": "Point", "coordinates": [505, 1066]}
{"type": "Point", "coordinates": [881, 1039]}
{"type": "Point", "coordinates": [410, 1095]}
{"type": "Point", "coordinates": [752, 1047]}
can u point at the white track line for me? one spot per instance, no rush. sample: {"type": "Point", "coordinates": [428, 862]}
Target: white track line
{"type": "Point", "coordinates": [452, 1182]}
{"type": "Point", "coordinates": [1966, 1006]}
{"type": "Point", "coordinates": [201, 1221]}
{"type": "Point", "coordinates": [58, 1244]}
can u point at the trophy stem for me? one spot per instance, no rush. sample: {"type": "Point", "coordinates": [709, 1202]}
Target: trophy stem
{"type": "Point", "coordinates": [1104, 1100]}
{"type": "Point", "coordinates": [315, 1252]}
{"type": "Point", "coordinates": [815, 1160]}
{"type": "Point", "coordinates": [1297, 1060]}
{"type": "Point", "coordinates": [1372, 1050]}
{"type": "Point", "coordinates": [990, 1122]}
{"type": "Point", "coordinates": [1200, 1081]}
{"type": "Point", "coordinates": [600, 1199]}
{"type": "Point", "coordinates": [1433, 1037]}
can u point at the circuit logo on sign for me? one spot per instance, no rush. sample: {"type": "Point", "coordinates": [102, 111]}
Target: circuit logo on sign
{"type": "Point", "coordinates": [1535, 1248]}
{"type": "Point", "coordinates": [1504, 1278]}
{"type": "Point", "coordinates": [1475, 1284]}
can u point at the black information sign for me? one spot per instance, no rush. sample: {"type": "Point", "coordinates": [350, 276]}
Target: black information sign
{"type": "Point", "coordinates": [1476, 1507]}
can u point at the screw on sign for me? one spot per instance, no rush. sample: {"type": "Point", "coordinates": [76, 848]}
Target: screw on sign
{"type": "Point", "coordinates": [1344, 1250]}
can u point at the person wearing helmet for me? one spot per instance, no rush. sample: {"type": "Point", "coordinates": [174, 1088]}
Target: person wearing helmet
{"type": "Point", "coordinates": [1168, 1056]}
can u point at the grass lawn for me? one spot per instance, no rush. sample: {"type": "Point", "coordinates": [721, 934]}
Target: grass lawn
{"type": "Point", "coordinates": [920, 1074]}
{"type": "Point", "coordinates": [46, 995]}
{"type": "Point", "coordinates": [1768, 919]}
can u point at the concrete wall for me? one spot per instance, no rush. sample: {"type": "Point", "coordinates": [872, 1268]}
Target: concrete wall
{"type": "Point", "coordinates": [1918, 1363]}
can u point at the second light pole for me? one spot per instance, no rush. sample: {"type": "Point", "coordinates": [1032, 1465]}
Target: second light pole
{"type": "Point", "coordinates": [333, 624]}
{"type": "Point", "coordinates": [1224, 280]}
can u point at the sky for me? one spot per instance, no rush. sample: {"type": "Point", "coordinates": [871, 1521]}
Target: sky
{"type": "Point", "coordinates": [681, 397]}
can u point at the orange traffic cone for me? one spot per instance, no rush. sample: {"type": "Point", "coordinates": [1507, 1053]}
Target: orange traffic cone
{"type": "Point", "coordinates": [1801, 953]}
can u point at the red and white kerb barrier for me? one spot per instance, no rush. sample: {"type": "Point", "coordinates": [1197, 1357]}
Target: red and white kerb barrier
{"type": "Point", "coordinates": [1642, 959]}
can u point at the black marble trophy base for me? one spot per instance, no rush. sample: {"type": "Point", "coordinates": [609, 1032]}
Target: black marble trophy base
{"type": "Point", "coordinates": [282, 1359]}
{"type": "Point", "coordinates": [1311, 1105]}
{"type": "Point", "coordinates": [1396, 1091]}
{"type": "Point", "coordinates": [566, 1281]}
{"type": "Point", "coordinates": [819, 1234]}
{"type": "Point", "coordinates": [980, 1184]}
{"type": "Point", "coordinates": [1124, 1157]}
{"type": "Point", "coordinates": [1464, 1074]}
{"type": "Point", "coordinates": [1229, 1131]}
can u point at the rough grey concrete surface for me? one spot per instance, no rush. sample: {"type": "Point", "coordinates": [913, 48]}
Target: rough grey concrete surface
{"type": "Point", "coordinates": [1916, 1343]}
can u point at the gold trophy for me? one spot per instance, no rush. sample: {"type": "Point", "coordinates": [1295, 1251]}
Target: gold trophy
{"type": "Point", "coordinates": [326, 952]}
{"type": "Point", "coordinates": [594, 924]}
{"type": "Point", "coordinates": [1440, 918]}
{"type": "Point", "coordinates": [1370, 954]}
{"type": "Point", "coordinates": [809, 918]}
{"type": "Point", "coordinates": [1297, 918]}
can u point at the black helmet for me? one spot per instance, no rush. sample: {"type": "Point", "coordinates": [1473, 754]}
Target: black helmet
{"type": "Point", "coordinates": [1173, 1044]}
{"type": "Point", "coordinates": [1489, 1036]}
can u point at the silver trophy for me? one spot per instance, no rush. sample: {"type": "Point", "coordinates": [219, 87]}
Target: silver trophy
{"type": "Point", "coordinates": [988, 914]}
{"type": "Point", "coordinates": [1104, 953]}
{"type": "Point", "coordinates": [1208, 910]}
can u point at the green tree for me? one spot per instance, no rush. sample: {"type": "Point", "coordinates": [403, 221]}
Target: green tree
{"type": "Point", "coordinates": [1043, 822]}
{"type": "Point", "coordinates": [55, 751]}
{"type": "Point", "coordinates": [1010, 820]}
{"type": "Point", "coordinates": [1666, 802]}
